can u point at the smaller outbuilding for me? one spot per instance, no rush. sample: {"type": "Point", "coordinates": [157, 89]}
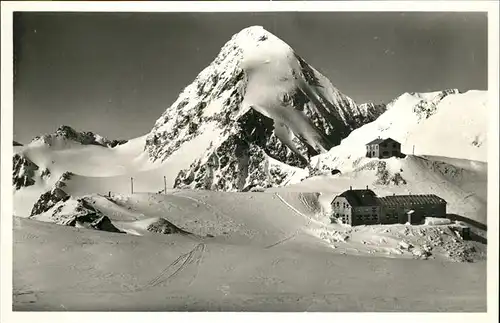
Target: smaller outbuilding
{"type": "Point", "coordinates": [462, 230]}
{"type": "Point", "coordinates": [383, 148]}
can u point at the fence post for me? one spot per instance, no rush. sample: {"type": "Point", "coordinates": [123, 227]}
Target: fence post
{"type": "Point", "coordinates": [131, 185]}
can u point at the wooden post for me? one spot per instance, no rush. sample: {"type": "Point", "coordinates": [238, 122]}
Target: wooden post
{"type": "Point", "coordinates": [131, 185]}
{"type": "Point", "coordinates": [413, 153]}
{"type": "Point", "coordinates": [165, 184]}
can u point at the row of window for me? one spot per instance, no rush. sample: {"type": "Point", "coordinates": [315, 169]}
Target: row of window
{"type": "Point", "coordinates": [389, 216]}
{"type": "Point", "coordinates": [415, 207]}
{"type": "Point", "coordinates": [384, 146]}
{"type": "Point", "coordinates": [367, 217]}
{"type": "Point", "coordinates": [345, 205]}
{"type": "Point", "coordinates": [374, 215]}
{"type": "Point", "coordinates": [368, 211]}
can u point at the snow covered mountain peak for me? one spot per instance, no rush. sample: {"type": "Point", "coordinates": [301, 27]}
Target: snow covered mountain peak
{"type": "Point", "coordinates": [424, 103]}
{"type": "Point", "coordinates": [299, 113]}
{"type": "Point", "coordinates": [251, 35]}
{"type": "Point", "coordinates": [435, 95]}
{"type": "Point", "coordinates": [261, 47]}
{"type": "Point", "coordinates": [66, 135]}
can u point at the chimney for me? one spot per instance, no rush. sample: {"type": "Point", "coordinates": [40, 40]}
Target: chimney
{"type": "Point", "coordinates": [366, 186]}
{"type": "Point", "coordinates": [350, 188]}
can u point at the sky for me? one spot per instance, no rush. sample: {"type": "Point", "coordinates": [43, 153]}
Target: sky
{"type": "Point", "coordinates": [115, 73]}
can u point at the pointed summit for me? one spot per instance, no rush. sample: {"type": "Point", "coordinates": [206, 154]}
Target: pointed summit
{"type": "Point", "coordinates": [256, 92]}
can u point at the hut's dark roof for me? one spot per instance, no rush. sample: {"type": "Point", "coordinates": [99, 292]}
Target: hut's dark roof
{"type": "Point", "coordinates": [360, 197]}
{"type": "Point", "coordinates": [398, 200]}
{"type": "Point", "coordinates": [378, 141]}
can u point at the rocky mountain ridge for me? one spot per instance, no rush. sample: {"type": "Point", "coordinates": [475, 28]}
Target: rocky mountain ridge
{"type": "Point", "coordinates": [65, 133]}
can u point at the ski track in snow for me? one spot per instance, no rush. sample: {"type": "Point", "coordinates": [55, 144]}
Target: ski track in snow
{"type": "Point", "coordinates": [294, 234]}
{"type": "Point", "coordinates": [217, 213]}
{"type": "Point", "coordinates": [283, 240]}
{"type": "Point", "coordinates": [309, 219]}
{"type": "Point", "coordinates": [195, 255]}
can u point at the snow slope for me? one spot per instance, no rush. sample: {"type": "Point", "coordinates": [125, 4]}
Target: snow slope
{"type": "Point", "coordinates": [461, 183]}
{"type": "Point", "coordinates": [284, 238]}
{"type": "Point", "coordinates": [89, 160]}
{"type": "Point", "coordinates": [458, 129]}
{"type": "Point", "coordinates": [284, 219]}
{"type": "Point", "coordinates": [118, 272]}
{"type": "Point", "coordinates": [93, 163]}
{"type": "Point", "coordinates": [447, 123]}
{"type": "Point", "coordinates": [94, 169]}
{"type": "Point", "coordinates": [263, 218]}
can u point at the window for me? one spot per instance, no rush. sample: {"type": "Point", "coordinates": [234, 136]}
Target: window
{"type": "Point", "coordinates": [394, 145]}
